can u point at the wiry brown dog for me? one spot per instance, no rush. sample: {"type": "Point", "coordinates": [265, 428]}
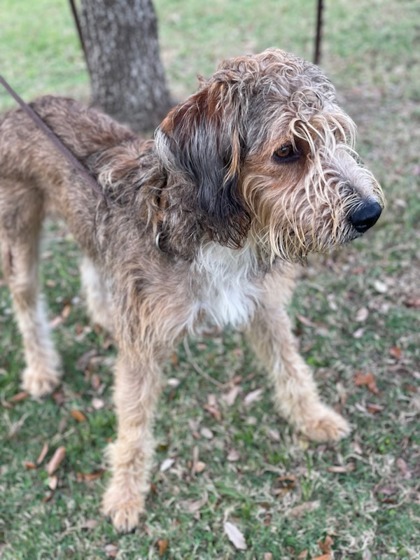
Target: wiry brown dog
{"type": "Point", "coordinates": [249, 175]}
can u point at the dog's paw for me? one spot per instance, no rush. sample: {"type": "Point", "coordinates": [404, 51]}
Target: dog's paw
{"type": "Point", "coordinates": [39, 383]}
{"type": "Point", "coordinates": [324, 424]}
{"type": "Point", "coordinates": [123, 511]}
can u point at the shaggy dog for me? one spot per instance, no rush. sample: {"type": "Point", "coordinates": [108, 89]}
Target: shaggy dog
{"type": "Point", "coordinates": [201, 224]}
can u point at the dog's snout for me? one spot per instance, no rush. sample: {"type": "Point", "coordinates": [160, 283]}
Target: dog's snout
{"type": "Point", "coordinates": [365, 216]}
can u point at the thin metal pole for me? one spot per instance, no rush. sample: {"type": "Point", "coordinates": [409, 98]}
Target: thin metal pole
{"type": "Point", "coordinates": [319, 26]}
{"type": "Point", "coordinates": [78, 26]}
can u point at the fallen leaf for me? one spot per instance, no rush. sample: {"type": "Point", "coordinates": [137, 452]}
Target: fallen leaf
{"type": "Point", "coordinates": [413, 302]}
{"type": "Point", "coordinates": [253, 396]}
{"type": "Point", "coordinates": [305, 321]}
{"type": "Point", "coordinates": [88, 477]}
{"type": "Point", "coordinates": [162, 546]}
{"type": "Point", "coordinates": [194, 506]}
{"type": "Point", "coordinates": [366, 379]}
{"type": "Point", "coordinates": [206, 433]}
{"type": "Point", "coordinates": [56, 460]}
{"type": "Point", "coordinates": [380, 287]}
{"type": "Point", "coordinates": [395, 352]}
{"type": "Point", "coordinates": [268, 556]}
{"type": "Point", "coordinates": [230, 397]}
{"type": "Point", "coordinates": [234, 535]}
{"type": "Point", "coordinates": [89, 524]}
{"type": "Point", "coordinates": [29, 465]}
{"type": "Point", "coordinates": [323, 557]}
{"type": "Point", "coordinates": [43, 454]}
{"type": "Point", "coordinates": [361, 315]}
{"type": "Point", "coordinates": [274, 435]}
{"type": "Point", "coordinates": [342, 469]}
{"type": "Point", "coordinates": [303, 555]}
{"type": "Point", "coordinates": [19, 397]}
{"type": "Point", "coordinates": [78, 415]}
{"type": "Point", "coordinates": [166, 464]}
{"type": "Point", "coordinates": [111, 550]}
{"type": "Point", "coordinates": [98, 404]}
{"type": "Point", "coordinates": [301, 509]}
{"type": "Point", "coordinates": [214, 411]}
{"type": "Point", "coordinates": [374, 408]}
{"type": "Point", "coordinates": [326, 544]}
{"type": "Point", "coordinates": [54, 323]}
{"type": "Point", "coordinates": [403, 468]}
{"type": "Point", "coordinates": [199, 467]}
{"type": "Point", "coordinates": [66, 311]}
{"type": "Point", "coordinates": [53, 482]}
{"type": "Point", "coordinates": [359, 333]}
{"type": "Point", "coordinates": [233, 456]}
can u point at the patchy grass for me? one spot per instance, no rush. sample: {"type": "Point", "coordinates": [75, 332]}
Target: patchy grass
{"type": "Point", "coordinates": [356, 316]}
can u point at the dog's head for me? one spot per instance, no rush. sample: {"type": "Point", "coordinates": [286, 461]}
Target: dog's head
{"type": "Point", "coordinates": [270, 156]}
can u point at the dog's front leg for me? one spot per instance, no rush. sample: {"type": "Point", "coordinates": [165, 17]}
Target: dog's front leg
{"type": "Point", "coordinates": [296, 395]}
{"type": "Point", "coordinates": [136, 391]}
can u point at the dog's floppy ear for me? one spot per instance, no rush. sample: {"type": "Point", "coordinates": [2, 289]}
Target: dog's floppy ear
{"type": "Point", "coordinates": [205, 142]}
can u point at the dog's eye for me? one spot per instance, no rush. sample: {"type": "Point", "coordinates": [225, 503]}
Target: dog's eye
{"type": "Point", "coordinates": [286, 154]}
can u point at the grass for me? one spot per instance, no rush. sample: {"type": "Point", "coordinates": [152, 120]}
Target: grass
{"type": "Point", "coordinates": [355, 311]}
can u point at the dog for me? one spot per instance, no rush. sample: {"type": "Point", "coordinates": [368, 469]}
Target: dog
{"type": "Point", "coordinates": [203, 224]}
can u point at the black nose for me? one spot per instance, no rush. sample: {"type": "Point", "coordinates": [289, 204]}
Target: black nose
{"type": "Point", "coordinates": [365, 216]}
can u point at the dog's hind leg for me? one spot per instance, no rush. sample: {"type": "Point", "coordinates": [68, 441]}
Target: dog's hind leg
{"type": "Point", "coordinates": [98, 299]}
{"type": "Point", "coordinates": [20, 227]}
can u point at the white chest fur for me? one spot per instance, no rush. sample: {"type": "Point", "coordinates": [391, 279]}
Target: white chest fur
{"type": "Point", "coordinates": [227, 290]}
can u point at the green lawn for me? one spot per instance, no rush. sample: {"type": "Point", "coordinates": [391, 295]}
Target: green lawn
{"type": "Point", "coordinates": [356, 313]}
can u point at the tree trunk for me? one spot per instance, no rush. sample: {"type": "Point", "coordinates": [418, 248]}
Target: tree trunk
{"type": "Point", "coordinates": [122, 51]}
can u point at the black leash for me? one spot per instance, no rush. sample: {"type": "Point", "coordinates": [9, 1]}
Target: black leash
{"type": "Point", "coordinates": [74, 162]}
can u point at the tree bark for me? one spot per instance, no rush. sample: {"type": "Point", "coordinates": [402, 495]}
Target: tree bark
{"type": "Point", "coordinates": [122, 52]}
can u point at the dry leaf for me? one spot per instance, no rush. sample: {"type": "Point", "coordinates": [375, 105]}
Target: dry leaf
{"type": "Point", "coordinates": [359, 333]}
{"type": "Point", "coordinates": [19, 397]}
{"type": "Point", "coordinates": [111, 550]}
{"type": "Point", "coordinates": [66, 311]}
{"type": "Point", "coordinates": [326, 544]}
{"type": "Point", "coordinates": [166, 464]}
{"type": "Point", "coordinates": [98, 404]}
{"type": "Point", "coordinates": [380, 287]}
{"type": "Point", "coordinates": [268, 556]}
{"type": "Point", "coordinates": [56, 460]}
{"type": "Point", "coordinates": [205, 432]}
{"type": "Point", "coordinates": [214, 411]}
{"type": "Point", "coordinates": [53, 482]}
{"type": "Point", "coordinates": [253, 396]}
{"type": "Point", "coordinates": [374, 408]}
{"type": "Point", "coordinates": [231, 395]}
{"type": "Point", "coordinates": [235, 536]}
{"type": "Point", "coordinates": [88, 477]}
{"type": "Point", "coordinates": [301, 509]}
{"type": "Point", "coordinates": [78, 415]}
{"type": "Point", "coordinates": [403, 468]}
{"type": "Point", "coordinates": [29, 465]}
{"type": "Point", "coordinates": [342, 469]}
{"type": "Point", "coordinates": [395, 352]}
{"type": "Point", "coordinates": [233, 456]}
{"type": "Point", "coordinates": [305, 321]}
{"type": "Point", "coordinates": [199, 467]}
{"type": "Point", "coordinates": [323, 557]}
{"type": "Point", "coordinates": [43, 454]}
{"type": "Point", "coordinates": [162, 546]}
{"type": "Point", "coordinates": [361, 315]}
{"type": "Point", "coordinates": [366, 379]}
{"type": "Point", "coordinates": [89, 524]}
{"type": "Point", "coordinates": [413, 302]}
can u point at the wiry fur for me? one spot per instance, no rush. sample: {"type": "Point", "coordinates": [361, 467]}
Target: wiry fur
{"type": "Point", "coordinates": [201, 224]}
